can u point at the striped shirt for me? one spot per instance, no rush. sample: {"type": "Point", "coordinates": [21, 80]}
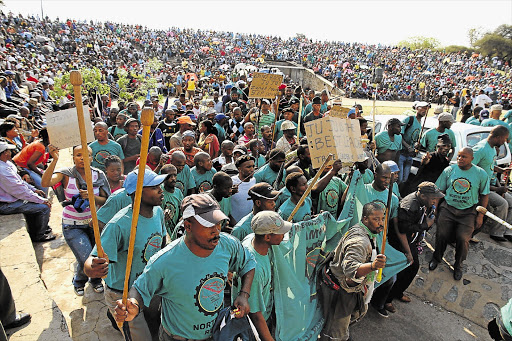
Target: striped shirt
{"type": "Point", "coordinates": [69, 212]}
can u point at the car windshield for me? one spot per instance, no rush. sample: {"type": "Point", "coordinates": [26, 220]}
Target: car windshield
{"type": "Point", "coordinates": [474, 138]}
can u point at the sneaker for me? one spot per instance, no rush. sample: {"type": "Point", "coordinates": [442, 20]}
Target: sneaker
{"type": "Point", "coordinates": [98, 288]}
{"type": "Point", "coordinates": [79, 291]}
{"type": "Point", "coordinates": [20, 320]}
{"type": "Point", "coordinates": [382, 312]}
{"type": "Point", "coordinates": [45, 238]}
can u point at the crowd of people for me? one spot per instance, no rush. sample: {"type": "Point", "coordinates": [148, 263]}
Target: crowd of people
{"type": "Point", "coordinates": [226, 177]}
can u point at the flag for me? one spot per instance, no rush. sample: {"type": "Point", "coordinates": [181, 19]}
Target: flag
{"type": "Point", "coordinates": [165, 105]}
{"type": "Point", "coordinates": [98, 106]}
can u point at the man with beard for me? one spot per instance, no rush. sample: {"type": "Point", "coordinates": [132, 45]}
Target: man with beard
{"type": "Point", "coordinates": [304, 161]}
{"type": "Point", "coordinates": [234, 99]}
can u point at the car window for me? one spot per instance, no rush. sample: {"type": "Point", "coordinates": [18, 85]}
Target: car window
{"type": "Point", "coordinates": [474, 138]}
{"type": "Point", "coordinates": [502, 152]}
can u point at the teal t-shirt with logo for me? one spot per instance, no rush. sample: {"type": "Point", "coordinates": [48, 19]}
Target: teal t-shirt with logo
{"type": "Point", "coordinates": [410, 135]}
{"type": "Point", "coordinates": [484, 156]}
{"type": "Point", "coordinates": [172, 203]}
{"type": "Point", "coordinates": [383, 142]}
{"type": "Point", "coordinates": [304, 213]}
{"type": "Point", "coordinates": [329, 198]}
{"type": "Point", "coordinates": [382, 197]}
{"type": "Point", "coordinates": [185, 180]}
{"type": "Point", "coordinates": [101, 152]}
{"type": "Point", "coordinates": [203, 181]}
{"type": "Point", "coordinates": [429, 139]}
{"type": "Point", "coordinates": [243, 228]}
{"type": "Point", "coordinates": [192, 287]}
{"type": "Point", "coordinates": [463, 187]}
{"type": "Point", "coordinates": [285, 195]}
{"type": "Point", "coordinates": [266, 174]}
{"type": "Point", "coordinates": [115, 239]}
{"type": "Point", "coordinates": [115, 202]}
{"type": "Point", "coordinates": [117, 133]}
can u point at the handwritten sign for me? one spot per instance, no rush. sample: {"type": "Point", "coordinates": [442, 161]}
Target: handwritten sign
{"type": "Point", "coordinates": [63, 128]}
{"type": "Point", "coordinates": [341, 137]}
{"type": "Point", "coordinates": [339, 111]}
{"type": "Point", "coordinates": [265, 85]}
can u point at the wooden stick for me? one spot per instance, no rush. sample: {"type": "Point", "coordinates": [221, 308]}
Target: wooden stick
{"type": "Point", "coordinates": [147, 116]}
{"type": "Point", "coordinates": [298, 123]}
{"type": "Point", "coordinates": [275, 122]}
{"type": "Point", "coordinates": [484, 211]}
{"type": "Point", "coordinates": [310, 187]}
{"type": "Point", "coordinates": [421, 131]}
{"type": "Point", "coordinates": [386, 225]}
{"type": "Point", "coordinates": [373, 129]}
{"type": "Point", "coordinates": [76, 79]}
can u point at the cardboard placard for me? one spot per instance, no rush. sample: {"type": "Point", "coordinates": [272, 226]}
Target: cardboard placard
{"type": "Point", "coordinates": [339, 111]}
{"type": "Point", "coordinates": [332, 135]}
{"type": "Point", "coordinates": [265, 85]}
{"type": "Point", "coordinates": [63, 128]}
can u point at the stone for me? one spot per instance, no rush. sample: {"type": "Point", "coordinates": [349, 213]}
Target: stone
{"type": "Point", "coordinates": [498, 257]}
{"type": "Point", "coordinates": [488, 272]}
{"type": "Point", "coordinates": [506, 277]}
{"type": "Point", "coordinates": [452, 294]}
{"type": "Point", "coordinates": [486, 287]}
{"type": "Point", "coordinates": [505, 293]}
{"type": "Point", "coordinates": [424, 269]}
{"type": "Point", "coordinates": [420, 282]}
{"type": "Point", "coordinates": [469, 299]}
{"type": "Point", "coordinates": [436, 285]}
{"type": "Point", "coordinates": [490, 311]}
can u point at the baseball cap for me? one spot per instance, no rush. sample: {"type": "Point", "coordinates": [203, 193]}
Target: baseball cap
{"type": "Point", "coordinates": [189, 133]}
{"type": "Point", "coordinates": [287, 109]}
{"type": "Point", "coordinates": [4, 146]}
{"type": "Point", "coordinates": [294, 100]}
{"type": "Point", "coordinates": [185, 120]}
{"type": "Point", "coordinates": [263, 190]}
{"type": "Point", "coordinates": [421, 104]}
{"type": "Point", "coordinates": [484, 114]}
{"type": "Point", "coordinates": [203, 208]}
{"type": "Point", "coordinates": [351, 112]}
{"type": "Point", "coordinates": [438, 109]}
{"type": "Point", "coordinates": [317, 100]}
{"type": "Point", "coordinates": [282, 86]}
{"type": "Point", "coordinates": [219, 117]}
{"type": "Point", "coordinates": [430, 188]}
{"type": "Point", "coordinates": [150, 179]}
{"type": "Point", "coordinates": [393, 121]}
{"type": "Point", "coordinates": [130, 120]}
{"type": "Point", "coordinates": [229, 86]}
{"type": "Point", "coordinates": [269, 222]}
{"type": "Point", "coordinates": [240, 149]}
{"type": "Point", "coordinates": [497, 107]}
{"type": "Point", "coordinates": [242, 159]}
{"type": "Point", "coordinates": [445, 117]}
{"type": "Point", "coordinates": [288, 125]}
{"type": "Point", "coordinates": [392, 165]}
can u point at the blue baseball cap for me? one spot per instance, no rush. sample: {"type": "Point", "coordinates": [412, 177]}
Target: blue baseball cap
{"type": "Point", "coordinates": [229, 86]}
{"type": "Point", "coordinates": [150, 179]}
{"type": "Point", "coordinates": [351, 112]}
{"type": "Point", "coordinates": [219, 117]}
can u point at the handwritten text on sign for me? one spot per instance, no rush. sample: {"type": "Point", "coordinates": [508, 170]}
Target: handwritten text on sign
{"type": "Point", "coordinates": [265, 85]}
{"type": "Point", "coordinates": [341, 137]}
{"type": "Point", "coordinates": [63, 128]}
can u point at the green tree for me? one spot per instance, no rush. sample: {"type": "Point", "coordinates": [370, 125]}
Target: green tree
{"type": "Point", "coordinates": [497, 43]}
{"type": "Point", "coordinates": [420, 42]}
{"type": "Point", "coordinates": [474, 34]}
{"type": "Point", "coordinates": [456, 48]}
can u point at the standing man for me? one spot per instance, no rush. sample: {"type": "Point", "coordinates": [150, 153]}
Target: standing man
{"type": "Point", "coordinates": [315, 114]}
{"type": "Point", "coordinates": [297, 184]}
{"type": "Point", "coordinates": [347, 280]}
{"type": "Point", "coordinates": [411, 127]}
{"type": "Point", "coordinates": [429, 139]}
{"type": "Point", "coordinates": [240, 205]}
{"type": "Point", "coordinates": [270, 171]}
{"type": "Point", "coordinates": [455, 101]}
{"type": "Point", "coordinates": [185, 123]}
{"type": "Point", "coordinates": [288, 142]}
{"type": "Point", "coordinates": [103, 146]}
{"type": "Point", "coordinates": [191, 273]}
{"type": "Point", "coordinates": [465, 187]}
{"type": "Point", "coordinates": [168, 126]}
{"type": "Point", "coordinates": [130, 144]}
{"type": "Point", "coordinates": [389, 141]}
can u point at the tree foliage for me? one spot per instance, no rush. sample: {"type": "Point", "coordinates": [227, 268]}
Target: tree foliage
{"type": "Point", "coordinates": [497, 43]}
{"type": "Point", "coordinates": [420, 42]}
{"type": "Point", "coordinates": [456, 48]}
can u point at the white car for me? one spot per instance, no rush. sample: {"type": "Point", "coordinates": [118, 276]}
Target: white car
{"type": "Point", "coordinates": [466, 135]}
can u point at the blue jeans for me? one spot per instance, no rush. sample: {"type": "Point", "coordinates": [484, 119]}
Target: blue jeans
{"type": "Point", "coordinates": [404, 164]}
{"type": "Point", "coordinates": [36, 216]}
{"type": "Point", "coordinates": [80, 239]}
{"type": "Point", "coordinates": [37, 180]}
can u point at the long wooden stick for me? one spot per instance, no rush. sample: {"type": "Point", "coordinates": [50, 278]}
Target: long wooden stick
{"type": "Point", "coordinates": [310, 187]}
{"type": "Point", "coordinates": [386, 225]}
{"type": "Point", "coordinates": [298, 120]}
{"type": "Point", "coordinates": [76, 80]}
{"type": "Point", "coordinates": [147, 116]}
{"type": "Point", "coordinates": [275, 122]}
{"type": "Point", "coordinates": [421, 131]}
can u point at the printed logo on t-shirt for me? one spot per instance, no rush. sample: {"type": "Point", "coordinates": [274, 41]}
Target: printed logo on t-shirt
{"type": "Point", "coordinates": [153, 245]}
{"type": "Point", "coordinates": [170, 208]}
{"type": "Point", "coordinates": [210, 293]}
{"type": "Point", "coordinates": [101, 155]}
{"type": "Point", "coordinates": [204, 186]}
{"type": "Point", "coordinates": [461, 185]}
{"type": "Point", "coordinates": [331, 198]}
{"type": "Point", "coordinates": [181, 186]}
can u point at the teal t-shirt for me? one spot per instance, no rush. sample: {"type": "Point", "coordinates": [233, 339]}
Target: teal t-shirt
{"type": "Point", "coordinates": [225, 206]}
{"type": "Point", "coordinates": [192, 287]}
{"type": "Point", "coordinates": [429, 139]}
{"type": "Point", "coordinates": [203, 181]}
{"type": "Point", "coordinates": [304, 213]}
{"type": "Point", "coordinates": [115, 239]}
{"type": "Point", "coordinates": [492, 122]}
{"type": "Point", "coordinates": [262, 292]}
{"type": "Point", "coordinates": [100, 152]}
{"type": "Point", "coordinates": [506, 314]}
{"type": "Point", "coordinates": [185, 180]}
{"type": "Point", "coordinates": [243, 228]}
{"type": "Point", "coordinates": [279, 132]}
{"type": "Point", "coordinates": [115, 202]}
{"type": "Point", "coordinates": [260, 161]}
{"type": "Point", "coordinates": [329, 198]}
{"type": "Point", "coordinates": [462, 187]}
{"type": "Point", "coordinates": [221, 133]}
{"type": "Point", "coordinates": [285, 195]}
{"type": "Point", "coordinates": [266, 174]}
{"type": "Point", "coordinates": [473, 120]}
{"type": "Point", "coordinates": [384, 143]}
{"type": "Point", "coordinates": [484, 156]}
{"type": "Point", "coordinates": [382, 197]}
{"type": "Point", "coordinates": [116, 133]}
{"type": "Point", "coordinates": [508, 117]}
{"type": "Point", "coordinates": [411, 134]}
{"type": "Point", "coordinates": [172, 203]}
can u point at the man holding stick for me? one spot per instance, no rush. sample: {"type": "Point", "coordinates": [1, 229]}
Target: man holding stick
{"type": "Point", "coordinates": [191, 273]}
{"type": "Point", "coordinates": [465, 186]}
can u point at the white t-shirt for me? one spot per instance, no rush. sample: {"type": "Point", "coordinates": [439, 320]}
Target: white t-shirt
{"type": "Point", "coordinates": [240, 206]}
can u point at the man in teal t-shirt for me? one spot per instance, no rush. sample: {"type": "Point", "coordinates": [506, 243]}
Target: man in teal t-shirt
{"type": "Point", "coordinates": [297, 184]}
{"type": "Point", "coordinates": [389, 141]}
{"type": "Point", "coordinates": [203, 172]}
{"type": "Point", "coordinates": [411, 129]}
{"type": "Point", "coordinates": [270, 171]}
{"type": "Point", "coordinates": [190, 275]}
{"type": "Point", "coordinates": [185, 181]}
{"type": "Point", "coordinates": [115, 238]}
{"type": "Point", "coordinates": [494, 120]}
{"type": "Point", "coordinates": [465, 186]}
{"type": "Point", "coordinates": [172, 199]}
{"type": "Point", "coordinates": [103, 147]}
{"type": "Point", "coordinates": [328, 191]}
{"type": "Point", "coordinates": [429, 139]}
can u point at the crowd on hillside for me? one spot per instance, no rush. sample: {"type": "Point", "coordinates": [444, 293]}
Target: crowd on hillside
{"type": "Point", "coordinates": [225, 175]}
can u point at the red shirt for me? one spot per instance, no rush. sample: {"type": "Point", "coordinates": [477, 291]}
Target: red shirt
{"type": "Point", "coordinates": [189, 155]}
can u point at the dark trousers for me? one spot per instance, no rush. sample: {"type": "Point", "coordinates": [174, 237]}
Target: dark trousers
{"type": "Point", "coordinates": [380, 295]}
{"type": "Point", "coordinates": [405, 277]}
{"type": "Point", "coordinates": [7, 307]}
{"type": "Point", "coordinates": [36, 215]}
{"type": "Point", "coordinates": [454, 225]}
